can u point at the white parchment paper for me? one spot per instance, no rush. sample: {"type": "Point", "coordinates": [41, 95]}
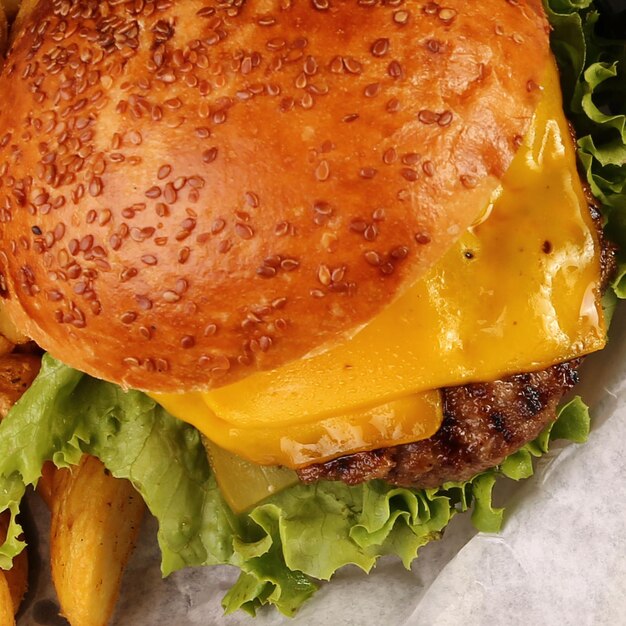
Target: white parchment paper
{"type": "Point", "coordinates": [560, 559]}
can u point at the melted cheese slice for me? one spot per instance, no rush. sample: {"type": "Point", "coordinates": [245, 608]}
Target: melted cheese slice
{"type": "Point", "coordinates": [517, 293]}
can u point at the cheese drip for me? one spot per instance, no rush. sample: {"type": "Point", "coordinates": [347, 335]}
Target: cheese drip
{"type": "Point", "coordinates": [517, 293]}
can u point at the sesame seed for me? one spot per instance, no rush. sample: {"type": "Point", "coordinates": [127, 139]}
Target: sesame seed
{"type": "Point", "coordinates": [371, 90]}
{"type": "Point", "coordinates": [265, 343]}
{"type": "Point", "coordinates": [208, 156]}
{"type": "Point", "coordinates": [143, 302]}
{"type": "Point", "coordinates": [401, 17]}
{"type": "Point", "coordinates": [371, 233]}
{"type": "Point", "coordinates": [389, 156]}
{"type": "Point", "coordinates": [399, 253]}
{"type": "Point", "coordinates": [244, 231]}
{"type": "Point", "coordinates": [171, 296]}
{"type": "Point", "coordinates": [434, 45]}
{"type": "Point", "coordinates": [394, 69]}
{"type": "Point", "coordinates": [210, 330]}
{"type": "Point", "coordinates": [336, 65]}
{"type": "Point", "coordinates": [393, 105]}
{"type": "Point", "coordinates": [445, 118]}
{"type": "Point", "coordinates": [428, 168]}
{"type": "Point", "coordinates": [310, 66]}
{"type": "Point", "coordinates": [468, 181]}
{"type": "Point", "coordinates": [408, 174]}
{"type": "Point", "coordinates": [531, 85]}
{"type": "Point", "coordinates": [322, 171]}
{"type": "Point", "coordinates": [218, 226]}
{"type": "Point", "coordinates": [427, 117]}
{"type": "Point", "coordinates": [323, 275]}
{"type": "Point", "coordinates": [410, 158]}
{"type": "Point", "coordinates": [95, 187]}
{"type": "Point", "coordinates": [203, 132]}
{"type": "Point", "coordinates": [358, 226]}
{"type": "Point", "coordinates": [187, 342]}
{"type": "Point", "coordinates": [266, 272]}
{"type": "Point", "coordinates": [282, 229]}
{"type": "Point", "coordinates": [252, 199]}
{"type": "Point", "coordinates": [128, 318]}
{"type": "Point", "coordinates": [289, 265]}
{"type": "Point", "coordinates": [86, 243]}
{"type": "Point", "coordinates": [170, 194]}
{"type": "Point", "coordinates": [351, 65]}
{"type": "Point", "coordinates": [447, 15]}
{"type": "Point", "coordinates": [372, 258]}
{"type": "Point", "coordinates": [380, 47]}
{"type": "Point", "coordinates": [266, 20]}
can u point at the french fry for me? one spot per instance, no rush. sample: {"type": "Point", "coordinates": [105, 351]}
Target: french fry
{"type": "Point", "coordinates": [95, 519]}
{"type": "Point", "coordinates": [6, 605]}
{"type": "Point", "coordinates": [17, 577]}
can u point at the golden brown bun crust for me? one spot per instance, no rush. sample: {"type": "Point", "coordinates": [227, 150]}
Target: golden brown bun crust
{"type": "Point", "coordinates": [191, 191]}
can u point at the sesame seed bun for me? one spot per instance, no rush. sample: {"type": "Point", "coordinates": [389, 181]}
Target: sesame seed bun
{"type": "Point", "coordinates": [191, 191]}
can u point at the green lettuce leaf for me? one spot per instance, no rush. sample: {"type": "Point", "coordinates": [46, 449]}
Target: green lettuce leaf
{"type": "Point", "coordinates": [593, 76]}
{"type": "Point", "coordinates": [303, 534]}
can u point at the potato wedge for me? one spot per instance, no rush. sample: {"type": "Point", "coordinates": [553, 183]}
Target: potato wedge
{"type": "Point", "coordinates": [17, 372]}
{"type": "Point", "coordinates": [17, 577]}
{"type": "Point", "coordinates": [95, 519]}
{"type": "Point", "coordinates": [6, 605]}
{"type": "Point", "coordinates": [7, 327]}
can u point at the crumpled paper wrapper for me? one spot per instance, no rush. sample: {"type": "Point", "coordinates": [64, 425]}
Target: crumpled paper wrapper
{"type": "Point", "coordinates": [560, 558]}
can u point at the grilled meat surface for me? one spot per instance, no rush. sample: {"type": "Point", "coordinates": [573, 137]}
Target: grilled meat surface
{"type": "Point", "coordinates": [483, 423]}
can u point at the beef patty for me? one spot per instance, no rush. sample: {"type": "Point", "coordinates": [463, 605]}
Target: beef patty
{"type": "Point", "coordinates": [482, 424]}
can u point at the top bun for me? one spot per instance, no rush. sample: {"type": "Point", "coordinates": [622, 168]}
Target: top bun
{"type": "Point", "coordinates": [192, 191]}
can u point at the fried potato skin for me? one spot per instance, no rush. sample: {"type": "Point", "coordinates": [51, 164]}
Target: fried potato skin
{"type": "Point", "coordinates": [17, 372]}
{"type": "Point", "coordinates": [94, 525]}
{"type": "Point", "coordinates": [6, 604]}
{"type": "Point", "coordinates": [17, 577]}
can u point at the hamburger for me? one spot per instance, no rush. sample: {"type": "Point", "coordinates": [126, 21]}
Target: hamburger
{"type": "Point", "coordinates": [346, 242]}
